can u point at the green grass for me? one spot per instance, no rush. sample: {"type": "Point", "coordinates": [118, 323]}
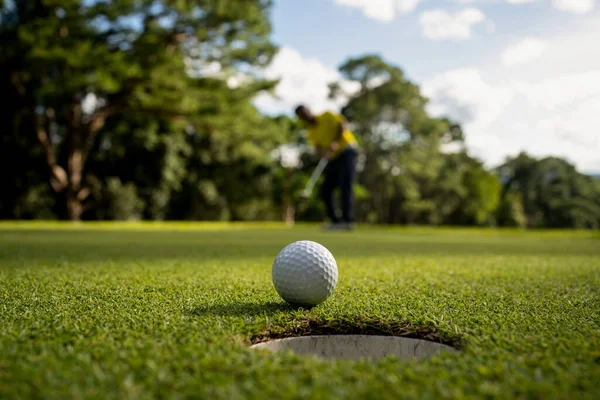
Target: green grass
{"type": "Point", "coordinates": [138, 311]}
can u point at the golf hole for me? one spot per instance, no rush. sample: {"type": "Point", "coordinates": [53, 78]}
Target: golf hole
{"type": "Point", "coordinates": [355, 347]}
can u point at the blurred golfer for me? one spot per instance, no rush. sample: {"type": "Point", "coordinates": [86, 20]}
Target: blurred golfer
{"type": "Point", "coordinates": [329, 134]}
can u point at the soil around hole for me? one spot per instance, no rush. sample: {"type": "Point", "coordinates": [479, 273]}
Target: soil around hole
{"type": "Point", "coordinates": [310, 327]}
{"type": "Point", "coordinates": [354, 347]}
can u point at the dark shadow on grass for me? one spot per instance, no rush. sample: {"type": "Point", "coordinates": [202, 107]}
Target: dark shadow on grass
{"type": "Point", "coordinates": [310, 327]}
{"type": "Point", "coordinates": [78, 246]}
{"type": "Point", "coordinates": [243, 308]}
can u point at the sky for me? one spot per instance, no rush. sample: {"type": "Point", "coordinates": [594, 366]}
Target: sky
{"type": "Point", "coordinates": [519, 75]}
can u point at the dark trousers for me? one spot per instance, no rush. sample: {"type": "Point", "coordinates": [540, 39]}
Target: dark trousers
{"type": "Point", "coordinates": [340, 172]}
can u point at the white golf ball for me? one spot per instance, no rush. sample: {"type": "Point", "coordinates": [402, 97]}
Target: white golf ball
{"type": "Point", "coordinates": [304, 273]}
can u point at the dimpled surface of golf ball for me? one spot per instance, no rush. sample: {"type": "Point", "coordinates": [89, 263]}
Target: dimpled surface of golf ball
{"type": "Point", "coordinates": [304, 273]}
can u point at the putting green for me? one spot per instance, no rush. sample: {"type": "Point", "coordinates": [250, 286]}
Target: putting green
{"type": "Point", "coordinates": [171, 310]}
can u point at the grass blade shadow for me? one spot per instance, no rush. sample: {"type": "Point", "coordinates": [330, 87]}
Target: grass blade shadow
{"type": "Point", "coordinates": [242, 309]}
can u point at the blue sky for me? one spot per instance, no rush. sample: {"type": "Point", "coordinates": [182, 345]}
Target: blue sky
{"type": "Point", "coordinates": [519, 74]}
{"type": "Point", "coordinates": [319, 28]}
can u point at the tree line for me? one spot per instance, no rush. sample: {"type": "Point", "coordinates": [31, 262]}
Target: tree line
{"type": "Point", "coordinates": [144, 110]}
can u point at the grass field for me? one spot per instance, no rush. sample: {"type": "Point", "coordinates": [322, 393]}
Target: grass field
{"type": "Point", "coordinates": [169, 311]}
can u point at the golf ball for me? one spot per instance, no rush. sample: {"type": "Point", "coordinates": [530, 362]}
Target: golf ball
{"type": "Point", "coordinates": [304, 273]}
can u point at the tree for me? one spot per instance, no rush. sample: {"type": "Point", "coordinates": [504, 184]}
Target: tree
{"type": "Point", "coordinates": [296, 162]}
{"type": "Point", "coordinates": [510, 211]}
{"type": "Point", "coordinates": [230, 167]}
{"type": "Point", "coordinates": [75, 66]}
{"type": "Point", "coordinates": [150, 153]}
{"type": "Point", "coordinates": [469, 192]}
{"type": "Point", "coordinates": [554, 194]}
{"type": "Point", "coordinates": [401, 142]}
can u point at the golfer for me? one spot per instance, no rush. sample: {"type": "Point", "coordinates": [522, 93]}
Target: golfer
{"type": "Point", "coordinates": [329, 134]}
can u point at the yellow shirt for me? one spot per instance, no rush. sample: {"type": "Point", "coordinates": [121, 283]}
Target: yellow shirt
{"type": "Point", "coordinates": [326, 130]}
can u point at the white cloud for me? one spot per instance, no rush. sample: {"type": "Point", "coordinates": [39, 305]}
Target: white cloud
{"type": "Point", "coordinates": [548, 108]}
{"type": "Point", "coordinates": [571, 6]}
{"type": "Point", "coordinates": [464, 95]}
{"type": "Point", "coordinates": [523, 52]}
{"type": "Point", "coordinates": [381, 10]}
{"type": "Point", "coordinates": [565, 127]}
{"type": "Point", "coordinates": [288, 155]}
{"type": "Point", "coordinates": [440, 24]}
{"type": "Point", "coordinates": [91, 103]}
{"type": "Point", "coordinates": [561, 91]}
{"type": "Point", "coordinates": [575, 126]}
{"type": "Point", "coordinates": [303, 80]}
{"type": "Point", "coordinates": [386, 10]}
{"type": "Point", "coordinates": [554, 116]}
{"type": "Point", "coordinates": [574, 6]}
{"type": "Point", "coordinates": [237, 80]}
{"type": "Point", "coordinates": [406, 6]}
{"type": "Point", "coordinates": [521, 1]}
{"type": "Point", "coordinates": [496, 1]}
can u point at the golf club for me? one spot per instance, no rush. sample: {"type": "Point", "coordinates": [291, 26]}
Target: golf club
{"type": "Point", "coordinates": [314, 177]}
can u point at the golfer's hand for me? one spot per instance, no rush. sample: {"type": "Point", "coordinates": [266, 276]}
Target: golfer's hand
{"type": "Point", "coordinates": [331, 149]}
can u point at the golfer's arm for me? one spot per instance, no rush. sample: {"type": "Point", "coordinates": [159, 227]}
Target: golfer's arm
{"type": "Point", "coordinates": [340, 132]}
{"type": "Point", "coordinates": [341, 129]}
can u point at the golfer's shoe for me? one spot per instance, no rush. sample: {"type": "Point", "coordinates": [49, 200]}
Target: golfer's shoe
{"type": "Point", "coordinates": [339, 226]}
{"type": "Point", "coordinates": [349, 226]}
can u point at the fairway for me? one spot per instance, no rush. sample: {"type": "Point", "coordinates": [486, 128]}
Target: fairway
{"type": "Point", "coordinates": [169, 311]}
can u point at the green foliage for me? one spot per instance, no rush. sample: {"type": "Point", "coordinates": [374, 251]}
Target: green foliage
{"type": "Point", "coordinates": [554, 194]}
{"type": "Point", "coordinates": [144, 109]}
{"type": "Point", "coordinates": [229, 167]}
{"type": "Point", "coordinates": [36, 203]}
{"type": "Point", "coordinates": [136, 311]}
{"type": "Point", "coordinates": [409, 177]}
{"type": "Point", "coordinates": [152, 154]}
{"type": "Point", "coordinates": [510, 212]}
{"type": "Point", "coordinates": [484, 189]}
{"type": "Point", "coordinates": [295, 162]}
{"type": "Point", "coordinates": [477, 192]}
{"type": "Point", "coordinates": [120, 201]}
{"type": "Point", "coordinates": [145, 63]}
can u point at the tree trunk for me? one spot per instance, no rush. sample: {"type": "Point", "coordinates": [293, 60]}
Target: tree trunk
{"type": "Point", "coordinates": [75, 161]}
{"type": "Point", "coordinates": [74, 207]}
{"type": "Point", "coordinates": [288, 202]}
{"type": "Point", "coordinates": [290, 213]}
{"type": "Point", "coordinates": [79, 140]}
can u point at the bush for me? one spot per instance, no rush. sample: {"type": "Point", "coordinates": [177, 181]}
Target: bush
{"type": "Point", "coordinates": [511, 211]}
{"type": "Point", "coordinates": [120, 201]}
